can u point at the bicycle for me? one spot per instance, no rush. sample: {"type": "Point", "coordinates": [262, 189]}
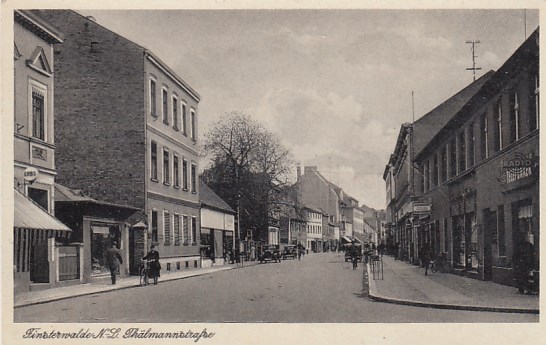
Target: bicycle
{"type": "Point", "coordinates": [143, 271]}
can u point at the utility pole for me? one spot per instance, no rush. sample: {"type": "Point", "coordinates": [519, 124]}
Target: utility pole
{"type": "Point", "coordinates": [473, 68]}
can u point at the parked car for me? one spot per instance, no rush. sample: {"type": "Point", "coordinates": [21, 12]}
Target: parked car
{"type": "Point", "coordinates": [353, 248]}
{"type": "Point", "coordinates": [270, 253]}
{"type": "Point", "coordinates": [289, 252]}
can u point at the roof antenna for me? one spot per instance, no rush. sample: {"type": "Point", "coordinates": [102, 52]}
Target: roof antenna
{"type": "Point", "coordinates": [473, 68]}
{"type": "Point", "coordinates": [412, 108]}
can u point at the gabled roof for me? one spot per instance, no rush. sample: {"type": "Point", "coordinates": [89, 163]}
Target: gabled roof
{"type": "Point", "coordinates": [38, 26]}
{"type": "Point", "coordinates": [65, 194]}
{"type": "Point", "coordinates": [520, 60]}
{"type": "Point", "coordinates": [426, 127]}
{"type": "Point", "coordinates": [209, 199]}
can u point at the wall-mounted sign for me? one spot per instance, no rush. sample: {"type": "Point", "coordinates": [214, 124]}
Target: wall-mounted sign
{"type": "Point", "coordinates": [518, 168]}
{"type": "Point", "coordinates": [30, 174]}
{"type": "Point", "coordinates": [421, 207]}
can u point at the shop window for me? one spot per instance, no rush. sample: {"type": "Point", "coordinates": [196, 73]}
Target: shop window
{"type": "Point", "coordinates": [501, 238]}
{"type": "Point", "coordinates": [102, 237]}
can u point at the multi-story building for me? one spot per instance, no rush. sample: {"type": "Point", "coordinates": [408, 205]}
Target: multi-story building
{"type": "Point", "coordinates": [400, 174]}
{"type": "Point", "coordinates": [126, 133]}
{"type": "Point", "coordinates": [480, 172]}
{"type": "Point", "coordinates": [35, 227]}
{"type": "Point", "coordinates": [313, 217]}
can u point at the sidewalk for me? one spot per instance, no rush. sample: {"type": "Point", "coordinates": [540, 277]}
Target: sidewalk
{"type": "Point", "coordinates": [407, 284]}
{"type": "Point", "coordinates": [55, 294]}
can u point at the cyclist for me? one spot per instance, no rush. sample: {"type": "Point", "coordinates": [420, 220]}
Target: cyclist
{"type": "Point", "coordinates": [153, 265]}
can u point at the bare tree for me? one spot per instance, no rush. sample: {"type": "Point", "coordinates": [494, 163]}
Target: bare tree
{"type": "Point", "coordinates": [249, 166]}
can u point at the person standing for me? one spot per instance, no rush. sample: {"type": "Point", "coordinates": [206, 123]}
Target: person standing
{"type": "Point", "coordinates": [524, 260]}
{"type": "Point", "coordinates": [154, 267]}
{"type": "Point", "coordinates": [425, 256]}
{"type": "Point", "coordinates": [113, 260]}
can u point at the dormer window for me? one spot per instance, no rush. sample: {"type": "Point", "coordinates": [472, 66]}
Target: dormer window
{"type": "Point", "coordinates": [38, 62]}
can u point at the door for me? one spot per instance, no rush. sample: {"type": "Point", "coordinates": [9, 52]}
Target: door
{"type": "Point", "coordinates": [489, 230]}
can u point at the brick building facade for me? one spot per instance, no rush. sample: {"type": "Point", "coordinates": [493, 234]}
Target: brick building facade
{"type": "Point", "coordinates": [126, 133]}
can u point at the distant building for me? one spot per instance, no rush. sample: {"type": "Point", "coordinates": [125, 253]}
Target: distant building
{"type": "Point", "coordinates": [405, 212]}
{"type": "Point", "coordinates": [126, 133]}
{"type": "Point", "coordinates": [217, 227]}
{"type": "Point", "coordinates": [313, 217]}
{"type": "Point", "coordinates": [35, 254]}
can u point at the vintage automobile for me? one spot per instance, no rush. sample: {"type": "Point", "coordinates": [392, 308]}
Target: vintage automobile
{"type": "Point", "coordinates": [289, 252]}
{"type": "Point", "coordinates": [270, 253]}
{"type": "Point", "coordinates": [353, 248]}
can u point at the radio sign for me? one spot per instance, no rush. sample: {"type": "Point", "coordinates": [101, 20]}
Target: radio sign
{"type": "Point", "coordinates": [30, 174]}
{"type": "Point", "coordinates": [518, 167]}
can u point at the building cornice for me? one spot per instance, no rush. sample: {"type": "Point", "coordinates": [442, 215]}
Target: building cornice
{"type": "Point", "coordinates": [171, 74]}
{"type": "Point", "coordinates": [38, 26]}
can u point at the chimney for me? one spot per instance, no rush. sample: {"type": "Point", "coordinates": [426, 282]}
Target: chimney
{"type": "Point", "coordinates": [298, 170]}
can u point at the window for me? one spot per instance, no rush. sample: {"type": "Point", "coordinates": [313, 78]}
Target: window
{"type": "Point", "coordinates": [484, 145]}
{"type": "Point", "coordinates": [40, 196]}
{"type": "Point", "coordinates": [38, 114]}
{"type": "Point", "coordinates": [176, 230]}
{"type": "Point", "coordinates": [497, 145]}
{"type": "Point", "coordinates": [193, 178]}
{"type": "Point", "coordinates": [153, 101]}
{"type": "Point", "coordinates": [515, 126]}
{"type": "Point", "coordinates": [154, 227]}
{"type": "Point", "coordinates": [184, 128]}
{"type": "Point", "coordinates": [185, 174]}
{"type": "Point", "coordinates": [462, 152]}
{"type": "Point", "coordinates": [500, 231]}
{"type": "Point", "coordinates": [166, 177]}
{"type": "Point", "coordinates": [193, 128]}
{"type": "Point", "coordinates": [425, 177]}
{"type": "Point", "coordinates": [175, 113]}
{"type": "Point", "coordinates": [153, 161]}
{"type": "Point", "coordinates": [534, 122]}
{"type": "Point", "coordinates": [176, 171]}
{"type": "Point", "coordinates": [471, 146]}
{"type": "Point", "coordinates": [194, 230]}
{"type": "Point", "coordinates": [453, 158]}
{"type": "Point", "coordinates": [185, 230]}
{"type": "Point", "coordinates": [443, 163]}
{"type": "Point", "coordinates": [165, 101]}
{"type": "Point", "coordinates": [167, 227]}
{"type": "Point", "coordinates": [435, 181]}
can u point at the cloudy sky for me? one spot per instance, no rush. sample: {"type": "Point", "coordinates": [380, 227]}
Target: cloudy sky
{"type": "Point", "coordinates": [334, 85]}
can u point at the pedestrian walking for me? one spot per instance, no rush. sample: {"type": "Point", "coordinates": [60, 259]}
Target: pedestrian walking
{"type": "Point", "coordinates": [524, 260]}
{"type": "Point", "coordinates": [113, 260]}
{"type": "Point", "coordinates": [154, 267]}
{"type": "Point", "coordinates": [425, 256]}
{"type": "Point", "coordinates": [354, 256]}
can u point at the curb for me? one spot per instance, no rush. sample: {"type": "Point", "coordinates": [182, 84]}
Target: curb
{"type": "Point", "coordinates": [117, 288]}
{"type": "Point", "coordinates": [373, 295]}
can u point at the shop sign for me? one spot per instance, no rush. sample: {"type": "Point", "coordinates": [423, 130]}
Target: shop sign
{"type": "Point", "coordinates": [518, 168]}
{"type": "Point", "coordinates": [30, 174]}
{"type": "Point", "coordinates": [421, 207]}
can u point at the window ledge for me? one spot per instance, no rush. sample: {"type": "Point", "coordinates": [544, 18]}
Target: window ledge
{"type": "Point", "coordinates": [176, 186]}
{"type": "Point", "coordinates": [166, 183]}
{"type": "Point", "coordinates": [185, 243]}
{"type": "Point", "coordinates": [154, 179]}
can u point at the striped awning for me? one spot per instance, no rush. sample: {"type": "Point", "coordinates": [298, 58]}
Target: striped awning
{"type": "Point", "coordinates": [29, 215]}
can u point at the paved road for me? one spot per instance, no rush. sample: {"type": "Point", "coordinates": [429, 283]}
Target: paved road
{"type": "Point", "coordinates": [320, 288]}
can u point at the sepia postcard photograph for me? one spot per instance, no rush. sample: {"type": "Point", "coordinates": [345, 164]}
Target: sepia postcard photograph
{"type": "Point", "coordinates": [243, 172]}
